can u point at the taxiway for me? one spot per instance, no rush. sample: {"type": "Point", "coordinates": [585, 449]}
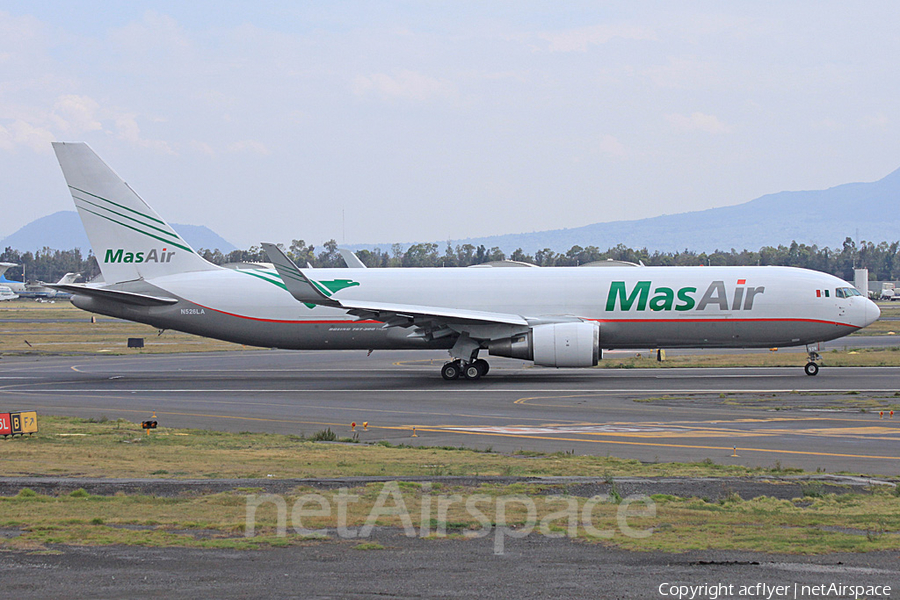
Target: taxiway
{"type": "Point", "coordinates": [747, 416]}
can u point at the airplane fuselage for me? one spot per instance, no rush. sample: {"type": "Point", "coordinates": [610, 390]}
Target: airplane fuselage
{"type": "Point", "coordinates": [635, 307]}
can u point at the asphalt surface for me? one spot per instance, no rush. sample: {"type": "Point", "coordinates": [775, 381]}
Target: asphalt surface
{"type": "Point", "coordinates": [748, 416]}
{"type": "Point", "coordinates": [849, 342]}
{"type": "Point", "coordinates": [532, 567]}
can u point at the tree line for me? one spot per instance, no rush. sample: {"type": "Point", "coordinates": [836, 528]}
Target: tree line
{"type": "Point", "coordinates": [881, 259]}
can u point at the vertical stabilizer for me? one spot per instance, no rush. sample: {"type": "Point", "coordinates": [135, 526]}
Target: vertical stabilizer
{"type": "Point", "coordinates": [3, 267]}
{"type": "Point", "coordinates": [129, 239]}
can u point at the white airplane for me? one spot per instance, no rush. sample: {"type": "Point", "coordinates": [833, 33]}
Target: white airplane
{"type": "Point", "coordinates": [6, 293]}
{"type": "Point", "coordinates": [555, 317]}
{"type": "Point", "coordinates": [15, 286]}
{"type": "Point", "coordinates": [43, 290]}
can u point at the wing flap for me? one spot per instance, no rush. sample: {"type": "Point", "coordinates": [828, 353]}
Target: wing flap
{"type": "Point", "coordinates": [383, 310]}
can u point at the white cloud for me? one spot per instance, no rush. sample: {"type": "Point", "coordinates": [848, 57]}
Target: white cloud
{"type": "Point", "coordinates": [202, 147]}
{"type": "Point", "coordinates": [6, 141]}
{"type": "Point", "coordinates": [405, 85]}
{"type": "Point", "coordinates": [21, 133]}
{"type": "Point", "coordinates": [129, 130]}
{"type": "Point", "coordinates": [251, 146]}
{"type": "Point", "coordinates": [579, 39]}
{"type": "Point", "coordinates": [698, 121]}
{"type": "Point", "coordinates": [76, 114]}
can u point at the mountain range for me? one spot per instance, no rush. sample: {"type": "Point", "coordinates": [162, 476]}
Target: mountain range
{"type": "Point", "coordinates": [862, 211]}
{"type": "Point", "coordinates": [63, 231]}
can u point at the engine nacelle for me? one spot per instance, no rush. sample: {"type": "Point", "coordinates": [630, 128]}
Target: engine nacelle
{"type": "Point", "coordinates": [554, 345]}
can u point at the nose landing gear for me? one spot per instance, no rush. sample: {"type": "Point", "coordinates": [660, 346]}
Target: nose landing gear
{"type": "Point", "coordinates": [812, 367]}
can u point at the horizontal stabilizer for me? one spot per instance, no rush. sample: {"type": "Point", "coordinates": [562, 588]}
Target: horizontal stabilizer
{"type": "Point", "coordinates": [113, 295]}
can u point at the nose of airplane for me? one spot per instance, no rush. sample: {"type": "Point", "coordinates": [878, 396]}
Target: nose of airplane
{"type": "Point", "coordinates": [872, 313]}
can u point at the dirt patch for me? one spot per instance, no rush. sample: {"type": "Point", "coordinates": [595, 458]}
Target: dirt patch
{"type": "Point", "coordinates": [711, 488]}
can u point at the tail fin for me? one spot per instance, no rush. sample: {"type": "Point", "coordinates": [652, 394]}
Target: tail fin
{"type": "Point", "coordinates": [129, 239]}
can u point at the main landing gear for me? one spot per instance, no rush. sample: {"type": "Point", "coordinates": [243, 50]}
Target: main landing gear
{"type": "Point", "coordinates": [470, 370]}
{"type": "Point", "coordinates": [812, 367]}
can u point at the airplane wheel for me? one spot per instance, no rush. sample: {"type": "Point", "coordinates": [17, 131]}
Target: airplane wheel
{"type": "Point", "coordinates": [811, 368]}
{"type": "Point", "coordinates": [472, 371]}
{"type": "Point", "coordinates": [451, 370]}
{"type": "Point", "coordinates": [483, 365]}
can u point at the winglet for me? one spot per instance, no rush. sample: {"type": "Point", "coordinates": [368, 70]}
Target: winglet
{"type": "Point", "coordinates": [350, 259]}
{"type": "Point", "coordinates": [300, 287]}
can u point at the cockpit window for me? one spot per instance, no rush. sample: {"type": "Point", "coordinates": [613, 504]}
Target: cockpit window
{"type": "Point", "coordinates": [846, 292]}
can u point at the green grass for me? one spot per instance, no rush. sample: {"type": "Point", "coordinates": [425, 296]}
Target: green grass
{"type": "Point", "coordinates": [368, 546]}
{"type": "Point", "coordinates": [811, 524]}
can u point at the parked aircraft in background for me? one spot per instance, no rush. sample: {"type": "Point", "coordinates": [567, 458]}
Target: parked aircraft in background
{"type": "Point", "coordinates": [15, 286]}
{"type": "Point", "coordinates": [43, 290]}
{"type": "Point", "coordinates": [555, 317]}
{"type": "Point", "coordinates": [7, 294]}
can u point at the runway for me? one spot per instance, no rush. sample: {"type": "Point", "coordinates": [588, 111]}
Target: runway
{"type": "Point", "coordinates": [764, 416]}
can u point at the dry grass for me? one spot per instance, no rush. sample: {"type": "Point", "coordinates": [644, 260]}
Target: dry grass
{"type": "Point", "coordinates": [29, 327]}
{"type": "Point", "coordinates": [72, 447]}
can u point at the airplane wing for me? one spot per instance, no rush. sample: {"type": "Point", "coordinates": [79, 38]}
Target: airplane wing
{"type": "Point", "coordinates": [115, 295]}
{"type": "Point", "coordinates": [432, 319]}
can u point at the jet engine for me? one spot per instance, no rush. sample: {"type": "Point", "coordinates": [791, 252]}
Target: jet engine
{"type": "Point", "coordinates": [553, 345]}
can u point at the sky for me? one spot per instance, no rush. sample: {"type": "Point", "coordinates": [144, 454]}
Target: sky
{"type": "Point", "coordinates": [374, 122]}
